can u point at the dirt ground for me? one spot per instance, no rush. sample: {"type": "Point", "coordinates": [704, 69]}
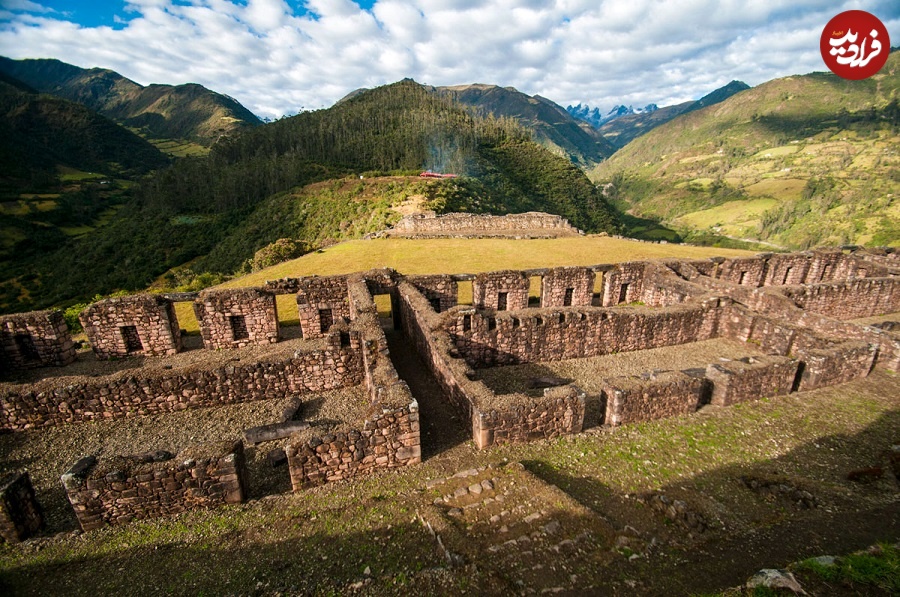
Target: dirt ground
{"type": "Point", "coordinates": [690, 505]}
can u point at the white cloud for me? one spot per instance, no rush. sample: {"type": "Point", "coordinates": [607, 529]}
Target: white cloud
{"type": "Point", "coordinates": [275, 57]}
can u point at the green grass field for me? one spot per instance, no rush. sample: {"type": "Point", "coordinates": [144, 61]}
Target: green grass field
{"type": "Point", "coordinates": [451, 255]}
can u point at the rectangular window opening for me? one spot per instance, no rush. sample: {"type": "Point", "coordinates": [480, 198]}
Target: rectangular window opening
{"type": "Point", "coordinates": [825, 271]}
{"type": "Point", "coordinates": [567, 300]}
{"type": "Point", "coordinates": [623, 293]}
{"type": "Point", "coordinates": [345, 339]}
{"type": "Point", "coordinates": [743, 277]}
{"type": "Point", "coordinates": [492, 323]}
{"type": "Point", "coordinates": [467, 323]}
{"type": "Point", "coordinates": [239, 329]}
{"type": "Point", "coordinates": [131, 338]}
{"type": "Point", "coordinates": [435, 304]}
{"type": "Point", "coordinates": [502, 300]}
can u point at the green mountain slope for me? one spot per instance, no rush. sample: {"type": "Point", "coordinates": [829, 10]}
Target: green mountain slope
{"type": "Point", "coordinates": [550, 124]}
{"type": "Point", "coordinates": [799, 161]}
{"type": "Point", "coordinates": [212, 214]}
{"type": "Point", "coordinates": [41, 132]}
{"type": "Point", "coordinates": [624, 129]}
{"type": "Point", "coordinates": [190, 112]}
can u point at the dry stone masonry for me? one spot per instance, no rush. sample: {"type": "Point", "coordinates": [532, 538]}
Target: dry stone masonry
{"type": "Point", "coordinates": [793, 311]}
{"type": "Point", "coordinates": [36, 339]}
{"type": "Point", "coordinates": [530, 225]}
{"type": "Point", "coordinates": [235, 318]}
{"type": "Point", "coordinates": [20, 514]}
{"type": "Point", "coordinates": [321, 303]}
{"type": "Point", "coordinates": [143, 324]}
{"type": "Point", "coordinates": [126, 489]}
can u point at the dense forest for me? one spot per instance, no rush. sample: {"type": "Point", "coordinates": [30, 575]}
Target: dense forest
{"type": "Point", "coordinates": [209, 215]}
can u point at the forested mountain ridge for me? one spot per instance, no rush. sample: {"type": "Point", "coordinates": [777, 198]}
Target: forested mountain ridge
{"type": "Point", "coordinates": [189, 112]}
{"type": "Point", "coordinates": [551, 125]}
{"type": "Point", "coordinates": [215, 212]}
{"type": "Point", "coordinates": [797, 162]}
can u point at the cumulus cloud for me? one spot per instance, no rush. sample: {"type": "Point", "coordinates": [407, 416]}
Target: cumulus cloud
{"type": "Point", "coordinates": [281, 56]}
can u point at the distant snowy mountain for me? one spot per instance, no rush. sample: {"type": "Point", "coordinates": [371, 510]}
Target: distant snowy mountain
{"type": "Point", "coordinates": [597, 119]}
{"type": "Point", "coordinates": [623, 123]}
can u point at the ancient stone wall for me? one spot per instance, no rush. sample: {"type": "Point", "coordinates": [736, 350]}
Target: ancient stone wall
{"type": "Point", "coordinates": [464, 223]}
{"type": "Point", "coordinates": [661, 288]}
{"type": "Point", "coordinates": [441, 290]}
{"type": "Point", "coordinates": [567, 287]}
{"type": "Point", "coordinates": [751, 379]}
{"type": "Point", "coordinates": [390, 435]}
{"type": "Point", "coordinates": [659, 395]}
{"type": "Point", "coordinates": [511, 418]}
{"type": "Point", "coordinates": [20, 513]}
{"type": "Point", "coordinates": [559, 412]}
{"type": "Point", "coordinates": [387, 440]}
{"type": "Point", "coordinates": [121, 490]}
{"type": "Point", "coordinates": [489, 340]}
{"type": "Point", "coordinates": [321, 302]}
{"type": "Point", "coordinates": [235, 318]}
{"type": "Point", "coordinates": [750, 271]}
{"type": "Point", "coordinates": [624, 283]}
{"type": "Point", "coordinates": [35, 339]}
{"type": "Point", "coordinates": [127, 394]}
{"type": "Point", "coordinates": [784, 269]}
{"type": "Point", "coordinates": [141, 324]}
{"type": "Point", "coordinates": [501, 291]}
{"type": "Point", "coordinates": [855, 299]}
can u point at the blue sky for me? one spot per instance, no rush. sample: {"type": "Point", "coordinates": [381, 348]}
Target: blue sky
{"type": "Point", "coordinates": [281, 56]}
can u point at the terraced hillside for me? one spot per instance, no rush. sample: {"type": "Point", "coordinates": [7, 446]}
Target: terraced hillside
{"type": "Point", "coordinates": [799, 161]}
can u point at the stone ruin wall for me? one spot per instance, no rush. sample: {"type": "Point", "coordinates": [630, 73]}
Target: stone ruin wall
{"type": "Point", "coordinates": [489, 340]}
{"type": "Point", "coordinates": [128, 394]}
{"type": "Point", "coordinates": [502, 291]}
{"type": "Point", "coordinates": [559, 411]}
{"type": "Point", "coordinates": [390, 434]}
{"type": "Point", "coordinates": [36, 339]}
{"type": "Point", "coordinates": [321, 302]}
{"type": "Point", "coordinates": [751, 378]}
{"type": "Point", "coordinates": [811, 351]}
{"type": "Point", "coordinates": [141, 324]}
{"type": "Point", "coordinates": [854, 299]}
{"type": "Point", "coordinates": [567, 287]}
{"type": "Point", "coordinates": [455, 223]}
{"type": "Point", "coordinates": [660, 395]}
{"type": "Point", "coordinates": [119, 490]}
{"type": "Point", "coordinates": [441, 291]}
{"type": "Point", "coordinates": [236, 318]}
{"type": "Point", "coordinates": [20, 514]}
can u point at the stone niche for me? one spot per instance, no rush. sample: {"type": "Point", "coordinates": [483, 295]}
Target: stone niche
{"type": "Point", "coordinates": [322, 302]}
{"type": "Point", "coordinates": [35, 339]}
{"type": "Point", "coordinates": [501, 291]}
{"type": "Point", "coordinates": [440, 290]}
{"type": "Point", "coordinates": [141, 324]}
{"type": "Point", "coordinates": [567, 287]}
{"type": "Point", "coordinates": [235, 318]}
{"type": "Point", "coordinates": [20, 514]}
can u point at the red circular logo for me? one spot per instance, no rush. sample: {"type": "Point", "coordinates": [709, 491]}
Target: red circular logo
{"type": "Point", "coordinates": [855, 44]}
